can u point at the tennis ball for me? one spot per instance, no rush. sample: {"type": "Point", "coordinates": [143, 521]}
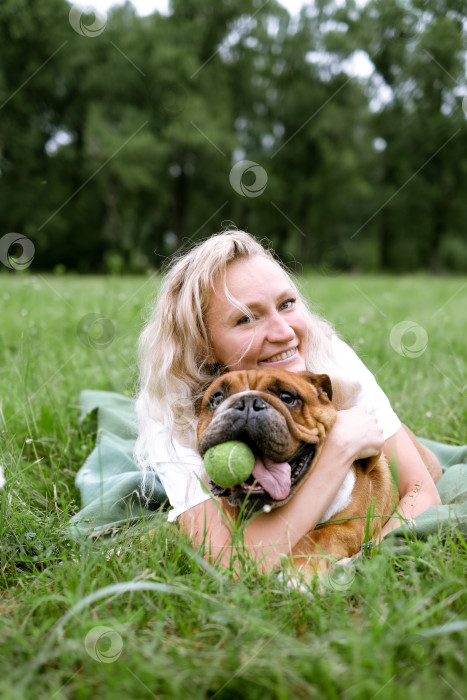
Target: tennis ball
{"type": "Point", "coordinates": [229, 463]}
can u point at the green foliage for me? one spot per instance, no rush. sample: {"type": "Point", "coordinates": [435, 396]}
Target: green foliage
{"type": "Point", "coordinates": [418, 50]}
{"type": "Point", "coordinates": [122, 143]}
{"type": "Point", "coordinates": [174, 625]}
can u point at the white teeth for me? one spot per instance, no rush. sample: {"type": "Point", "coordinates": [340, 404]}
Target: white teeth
{"type": "Point", "coordinates": [281, 356]}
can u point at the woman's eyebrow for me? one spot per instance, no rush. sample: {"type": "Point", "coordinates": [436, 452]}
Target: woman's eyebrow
{"type": "Point", "coordinates": [254, 305]}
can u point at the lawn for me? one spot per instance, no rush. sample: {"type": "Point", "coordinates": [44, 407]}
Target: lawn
{"type": "Point", "coordinates": [139, 616]}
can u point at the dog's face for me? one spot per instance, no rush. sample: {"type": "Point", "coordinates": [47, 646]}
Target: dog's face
{"type": "Point", "coordinates": [282, 416]}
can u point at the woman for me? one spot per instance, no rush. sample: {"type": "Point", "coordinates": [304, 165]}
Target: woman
{"type": "Point", "coordinates": [226, 305]}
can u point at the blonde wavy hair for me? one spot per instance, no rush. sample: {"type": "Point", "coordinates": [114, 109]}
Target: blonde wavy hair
{"type": "Point", "coordinates": [175, 353]}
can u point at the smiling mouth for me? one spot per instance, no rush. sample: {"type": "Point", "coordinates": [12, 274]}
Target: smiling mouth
{"type": "Point", "coordinates": [281, 356]}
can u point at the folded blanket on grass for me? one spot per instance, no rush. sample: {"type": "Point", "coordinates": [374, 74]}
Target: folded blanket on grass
{"type": "Point", "coordinates": [111, 483]}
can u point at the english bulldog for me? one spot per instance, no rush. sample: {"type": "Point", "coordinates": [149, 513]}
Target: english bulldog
{"type": "Point", "coordinates": [285, 417]}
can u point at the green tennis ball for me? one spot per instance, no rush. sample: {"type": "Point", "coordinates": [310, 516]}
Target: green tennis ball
{"type": "Point", "coordinates": [229, 463]}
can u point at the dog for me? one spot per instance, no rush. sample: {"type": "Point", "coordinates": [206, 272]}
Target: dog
{"type": "Point", "coordinates": [285, 417]}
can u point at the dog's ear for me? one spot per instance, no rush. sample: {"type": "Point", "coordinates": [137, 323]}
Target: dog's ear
{"type": "Point", "coordinates": [321, 382]}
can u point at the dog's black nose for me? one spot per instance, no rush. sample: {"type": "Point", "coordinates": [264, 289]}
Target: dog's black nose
{"type": "Point", "coordinates": [245, 403]}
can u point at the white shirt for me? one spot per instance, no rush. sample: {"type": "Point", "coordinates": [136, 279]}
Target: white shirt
{"type": "Point", "coordinates": [181, 469]}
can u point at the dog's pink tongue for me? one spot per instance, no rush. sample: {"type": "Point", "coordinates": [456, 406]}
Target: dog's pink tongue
{"type": "Point", "coordinates": [274, 477]}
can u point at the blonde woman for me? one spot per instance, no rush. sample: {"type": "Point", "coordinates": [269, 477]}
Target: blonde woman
{"type": "Point", "coordinates": [225, 305]}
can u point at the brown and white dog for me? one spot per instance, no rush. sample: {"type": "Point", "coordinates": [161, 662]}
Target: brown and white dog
{"type": "Point", "coordinates": [285, 417]}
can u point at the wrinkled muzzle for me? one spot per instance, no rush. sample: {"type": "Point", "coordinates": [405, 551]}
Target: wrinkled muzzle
{"type": "Point", "coordinates": [281, 461]}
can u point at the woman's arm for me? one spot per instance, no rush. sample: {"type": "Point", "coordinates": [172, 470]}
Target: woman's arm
{"type": "Point", "coordinates": [417, 489]}
{"type": "Point", "coordinates": [269, 536]}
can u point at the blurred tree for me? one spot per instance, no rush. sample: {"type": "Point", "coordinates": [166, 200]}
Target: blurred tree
{"type": "Point", "coordinates": [418, 50]}
{"type": "Point", "coordinates": [32, 95]}
{"type": "Point", "coordinates": [116, 148]}
{"type": "Point", "coordinates": [323, 155]}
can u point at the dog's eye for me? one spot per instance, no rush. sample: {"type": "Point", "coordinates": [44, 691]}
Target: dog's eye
{"type": "Point", "coordinates": [288, 398]}
{"type": "Point", "coordinates": [216, 399]}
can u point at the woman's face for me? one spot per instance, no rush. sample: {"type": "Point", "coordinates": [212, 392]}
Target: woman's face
{"type": "Point", "coordinates": [274, 337]}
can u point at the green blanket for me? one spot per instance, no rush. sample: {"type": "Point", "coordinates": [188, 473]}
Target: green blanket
{"type": "Point", "coordinates": [110, 482]}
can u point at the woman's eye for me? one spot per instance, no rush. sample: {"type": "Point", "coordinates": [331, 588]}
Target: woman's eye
{"type": "Point", "coordinates": [287, 303]}
{"type": "Point", "coordinates": [288, 398]}
{"type": "Point", "coordinates": [244, 319]}
{"type": "Point", "coordinates": [216, 399]}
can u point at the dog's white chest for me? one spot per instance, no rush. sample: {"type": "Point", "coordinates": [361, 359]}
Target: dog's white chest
{"type": "Point", "coordinates": [343, 496]}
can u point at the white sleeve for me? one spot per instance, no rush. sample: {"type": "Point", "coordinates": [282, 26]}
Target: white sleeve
{"type": "Point", "coordinates": [370, 395]}
{"type": "Point", "coordinates": [180, 470]}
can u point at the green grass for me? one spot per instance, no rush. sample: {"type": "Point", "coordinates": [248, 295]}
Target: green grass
{"type": "Point", "coordinates": [176, 626]}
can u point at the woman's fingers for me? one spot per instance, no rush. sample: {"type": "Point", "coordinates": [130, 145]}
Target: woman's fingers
{"type": "Point", "coordinates": [355, 430]}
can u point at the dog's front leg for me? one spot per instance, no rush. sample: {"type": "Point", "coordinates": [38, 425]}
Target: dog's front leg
{"type": "Point", "coordinates": [321, 548]}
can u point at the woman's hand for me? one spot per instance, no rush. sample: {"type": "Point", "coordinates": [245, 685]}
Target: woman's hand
{"type": "Point", "coordinates": [357, 434]}
{"type": "Point", "coordinates": [354, 435]}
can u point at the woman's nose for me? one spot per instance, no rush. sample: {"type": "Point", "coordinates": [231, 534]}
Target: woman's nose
{"type": "Point", "coordinates": [278, 329]}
